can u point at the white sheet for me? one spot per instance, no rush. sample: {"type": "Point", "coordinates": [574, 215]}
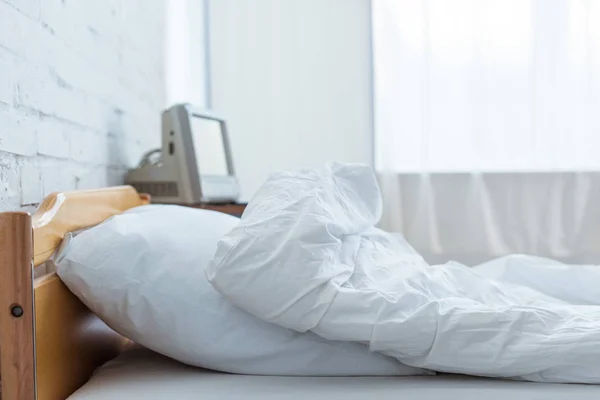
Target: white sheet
{"type": "Point", "coordinates": [306, 256]}
{"type": "Point", "coordinates": [141, 374]}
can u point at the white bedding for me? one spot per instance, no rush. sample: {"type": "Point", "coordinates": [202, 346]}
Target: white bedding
{"type": "Point", "coordinates": [140, 374]}
{"type": "Point", "coordinates": [148, 283]}
{"type": "Point", "coordinates": [307, 256]}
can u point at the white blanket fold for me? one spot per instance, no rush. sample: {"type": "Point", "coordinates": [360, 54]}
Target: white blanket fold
{"type": "Point", "coordinates": [307, 256]}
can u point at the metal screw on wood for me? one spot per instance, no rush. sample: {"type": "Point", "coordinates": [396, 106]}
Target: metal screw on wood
{"type": "Point", "coordinates": [16, 311]}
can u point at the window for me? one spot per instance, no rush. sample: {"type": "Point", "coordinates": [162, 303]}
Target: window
{"type": "Point", "coordinates": [487, 85]}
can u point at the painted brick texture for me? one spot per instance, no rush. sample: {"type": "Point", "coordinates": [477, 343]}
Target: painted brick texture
{"type": "Point", "coordinates": [81, 90]}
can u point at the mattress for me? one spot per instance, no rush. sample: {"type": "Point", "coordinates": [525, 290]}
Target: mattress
{"type": "Point", "coordinates": [142, 374]}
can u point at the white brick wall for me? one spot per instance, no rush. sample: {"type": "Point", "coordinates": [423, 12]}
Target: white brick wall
{"type": "Point", "coordinates": [81, 90]}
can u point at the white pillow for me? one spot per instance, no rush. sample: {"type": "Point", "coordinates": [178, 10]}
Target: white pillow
{"type": "Point", "coordinates": [142, 272]}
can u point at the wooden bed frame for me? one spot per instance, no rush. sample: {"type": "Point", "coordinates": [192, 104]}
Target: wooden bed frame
{"type": "Point", "coordinates": [50, 343]}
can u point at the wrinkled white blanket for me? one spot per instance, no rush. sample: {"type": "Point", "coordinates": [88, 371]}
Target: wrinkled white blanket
{"type": "Point", "coordinates": [306, 255]}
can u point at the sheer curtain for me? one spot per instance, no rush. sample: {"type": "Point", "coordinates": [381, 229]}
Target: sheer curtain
{"type": "Point", "coordinates": [480, 98]}
{"type": "Point", "coordinates": [186, 53]}
{"type": "Point", "coordinates": [487, 85]}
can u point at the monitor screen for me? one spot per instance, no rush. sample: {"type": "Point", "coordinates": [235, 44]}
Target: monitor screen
{"type": "Point", "coordinates": [209, 146]}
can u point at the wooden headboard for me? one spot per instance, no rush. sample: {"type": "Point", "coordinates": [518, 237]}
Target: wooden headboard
{"type": "Point", "coordinates": [50, 343]}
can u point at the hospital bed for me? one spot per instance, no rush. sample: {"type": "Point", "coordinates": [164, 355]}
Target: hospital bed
{"type": "Point", "coordinates": [52, 346]}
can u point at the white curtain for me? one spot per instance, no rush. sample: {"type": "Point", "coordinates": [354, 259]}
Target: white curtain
{"type": "Point", "coordinates": [487, 120]}
{"type": "Point", "coordinates": [472, 218]}
{"type": "Point", "coordinates": [186, 53]}
{"type": "Point", "coordinates": [487, 85]}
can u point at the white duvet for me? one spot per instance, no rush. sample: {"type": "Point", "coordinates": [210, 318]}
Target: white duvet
{"type": "Point", "coordinates": [306, 255]}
